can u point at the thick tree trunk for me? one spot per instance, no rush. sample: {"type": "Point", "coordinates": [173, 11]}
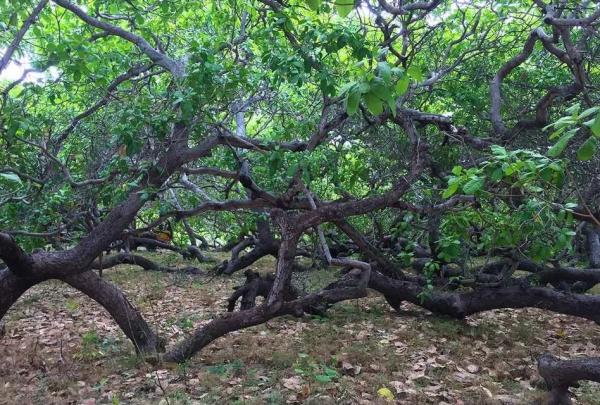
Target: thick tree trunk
{"type": "Point", "coordinates": [227, 323]}
{"type": "Point", "coordinates": [128, 318]}
{"type": "Point", "coordinates": [12, 287]}
{"type": "Point", "coordinates": [561, 374]}
{"type": "Point", "coordinates": [233, 321]}
{"type": "Point", "coordinates": [462, 304]}
{"type": "Point", "coordinates": [106, 294]}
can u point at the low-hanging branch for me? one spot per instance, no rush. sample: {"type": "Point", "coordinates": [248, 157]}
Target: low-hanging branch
{"type": "Point", "coordinates": [141, 261]}
{"type": "Point", "coordinates": [180, 122]}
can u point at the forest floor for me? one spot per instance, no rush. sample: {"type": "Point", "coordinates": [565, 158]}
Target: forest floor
{"type": "Point", "coordinates": [62, 348]}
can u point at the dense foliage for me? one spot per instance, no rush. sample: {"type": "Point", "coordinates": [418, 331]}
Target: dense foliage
{"type": "Point", "coordinates": [449, 134]}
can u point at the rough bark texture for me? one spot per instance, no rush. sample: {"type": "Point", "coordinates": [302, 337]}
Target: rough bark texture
{"type": "Point", "coordinates": [12, 288]}
{"type": "Point", "coordinates": [122, 311]}
{"type": "Point", "coordinates": [255, 316]}
{"type": "Point", "coordinates": [241, 262]}
{"type": "Point", "coordinates": [462, 304]}
{"type": "Point", "coordinates": [15, 258]}
{"type": "Point", "coordinates": [562, 374]}
{"type": "Point", "coordinates": [264, 244]}
{"type": "Point", "coordinates": [255, 286]}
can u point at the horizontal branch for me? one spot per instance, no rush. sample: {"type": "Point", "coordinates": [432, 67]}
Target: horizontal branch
{"type": "Point", "coordinates": [561, 374]}
{"type": "Point", "coordinates": [137, 260]}
{"type": "Point", "coordinates": [462, 304]}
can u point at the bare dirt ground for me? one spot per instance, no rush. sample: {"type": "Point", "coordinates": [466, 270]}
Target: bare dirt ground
{"type": "Point", "coordinates": [62, 348]}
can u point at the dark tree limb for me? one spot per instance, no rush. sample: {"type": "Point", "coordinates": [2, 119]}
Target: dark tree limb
{"type": "Point", "coordinates": [12, 287]}
{"type": "Point", "coordinates": [562, 374]}
{"type": "Point", "coordinates": [593, 245]}
{"type": "Point", "coordinates": [233, 321]}
{"type": "Point", "coordinates": [462, 304]}
{"type": "Point", "coordinates": [16, 259]}
{"type": "Point", "coordinates": [255, 286]}
{"type": "Point", "coordinates": [542, 107]}
{"type": "Point", "coordinates": [264, 244]}
{"type": "Point", "coordinates": [128, 318]}
{"type": "Point", "coordinates": [553, 275]}
{"type": "Point", "coordinates": [241, 262]}
{"type": "Point", "coordinates": [193, 251]}
{"type": "Point", "coordinates": [106, 294]}
{"type": "Point", "coordinates": [131, 73]}
{"type": "Point", "coordinates": [150, 243]}
{"type": "Point", "coordinates": [146, 264]}
{"type": "Point", "coordinates": [365, 246]}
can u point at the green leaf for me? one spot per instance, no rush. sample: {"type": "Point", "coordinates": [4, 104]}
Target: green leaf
{"type": "Point", "coordinates": [587, 150]}
{"type": "Point", "coordinates": [347, 87]}
{"type": "Point", "coordinates": [374, 103]}
{"type": "Point", "coordinates": [499, 151]}
{"type": "Point", "coordinates": [314, 4]}
{"type": "Point", "coordinates": [415, 72]}
{"type": "Point", "coordinates": [557, 133]}
{"type": "Point", "coordinates": [379, 88]}
{"type": "Point", "coordinates": [13, 19]}
{"type": "Point", "coordinates": [385, 72]}
{"type": "Point", "coordinates": [595, 128]}
{"type": "Point", "coordinates": [555, 166]}
{"type": "Point", "coordinates": [564, 121]}
{"type": "Point", "coordinates": [392, 105]}
{"type": "Point", "coordinates": [473, 185]}
{"type": "Point", "coordinates": [330, 372]}
{"type": "Point", "coordinates": [139, 19]}
{"type": "Point", "coordinates": [497, 174]}
{"type": "Point", "coordinates": [322, 378]}
{"type": "Point", "coordinates": [588, 112]}
{"type": "Point", "coordinates": [402, 85]}
{"type": "Point", "coordinates": [457, 170]}
{"type": "Point", "coordinates": [344, 7]}
{"type": "Point", "coordinates": [561, 144]}
{"type": "Point", "coordinates": [385, 393]}
{"type": "Point", "coordinates": [574, 109]}
{"type": "Point", "coordinates": [352, 101]}
{"type": "Point", "coordinates": [11, 177]}
{"type": "Point", "coordinates": [292, 169]}
{"type": "Point", "coordinates": [452, 188]}
{"type": "Point", "coordinates": [364, 87]}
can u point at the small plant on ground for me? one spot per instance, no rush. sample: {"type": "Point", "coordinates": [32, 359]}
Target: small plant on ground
{"type": "Point", "coordinates": [306, 366]}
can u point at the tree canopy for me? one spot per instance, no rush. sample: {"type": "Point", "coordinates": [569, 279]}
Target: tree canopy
{"type": "Point", "coordinates": [453, 145]}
